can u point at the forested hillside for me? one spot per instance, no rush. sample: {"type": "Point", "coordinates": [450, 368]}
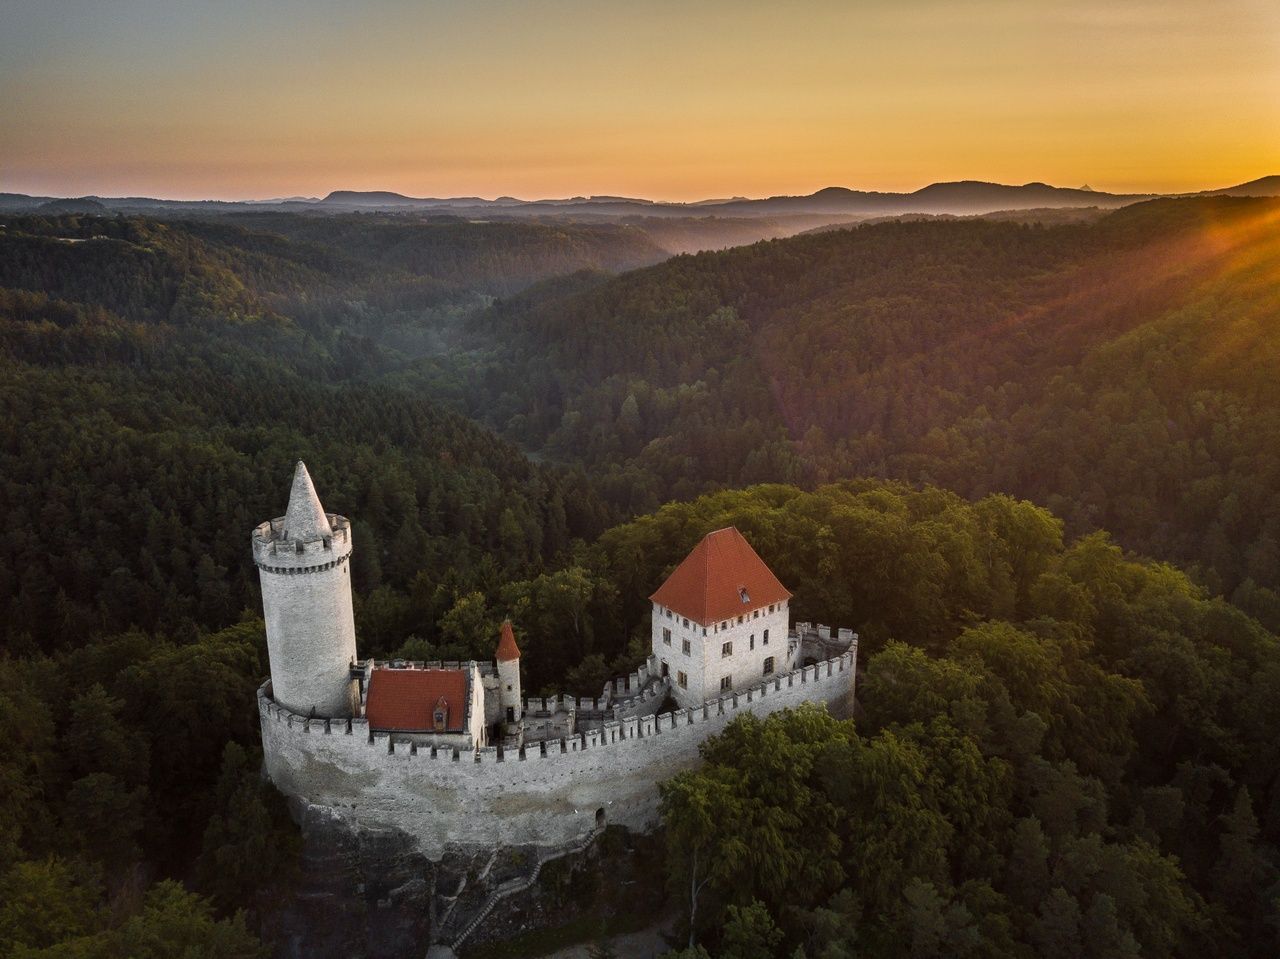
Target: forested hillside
{"type": "Point", "coordinates": [1062, 752]}
{"type": "Point", "coordinates": [1122, 372]}
{"type": "Point", "coordinates": [160, 381]}
{"type": "Point", "coordinates": [156, 387]}
{"type": "Point", "coordinates": [359, 254]}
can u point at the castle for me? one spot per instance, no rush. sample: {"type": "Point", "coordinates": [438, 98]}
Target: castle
{"type": "Point", "coordinates": [452, 754]}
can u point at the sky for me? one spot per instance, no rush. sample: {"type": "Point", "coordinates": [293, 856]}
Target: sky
{"type": "Point", "coordinates": [242, 99]}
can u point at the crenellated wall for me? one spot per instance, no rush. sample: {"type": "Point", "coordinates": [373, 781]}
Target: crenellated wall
{"type": "Point", "coordinates": [547, 793]}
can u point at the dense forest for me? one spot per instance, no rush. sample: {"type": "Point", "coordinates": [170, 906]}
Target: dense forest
{"type": "Point", "coordinates": [1063, 749]}
{"type": "Point", "coordinates": [1120, 371]}
{"type": "Point", "coordinates": [157, 387]}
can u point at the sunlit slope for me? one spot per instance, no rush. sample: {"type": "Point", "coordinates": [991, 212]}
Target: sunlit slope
{"type": "Point", "coordinates": [1121, 371]}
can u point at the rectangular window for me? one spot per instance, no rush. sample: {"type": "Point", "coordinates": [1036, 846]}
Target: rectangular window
{"type": "Point", "coordinates": [687, 649]}
{"type": "Point", "coordinates": [765, 638]}
{"type": "Point", "coordinates": [753, 641]}
{"type": "Point", "coordinates": [726, 682]}
{"type": "Point", "coordinates": [686, 624]}
{"type": "Point", "coordinates": [726, 649]}
{"type": "Point", "coordinates": [682, 680]}
{"type": "Point", "coordinates": [768, 665]}
{"type": "Point", "coordinates": [666, 636]}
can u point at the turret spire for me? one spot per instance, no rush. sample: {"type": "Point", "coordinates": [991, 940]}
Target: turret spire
{"type": "Point", "coordinates": [507, 648]}
{"type": "Point", "coordinates": [305, 520]}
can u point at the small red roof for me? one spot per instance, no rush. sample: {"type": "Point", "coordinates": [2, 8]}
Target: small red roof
{"type": "Point", "coordinates": [405, 699]}
{"type": "Point", "coordinates": [507, 648]}
{"type": "Point", "coordinates": [723, 577]}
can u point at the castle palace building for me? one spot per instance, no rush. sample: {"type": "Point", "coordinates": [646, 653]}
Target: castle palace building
{"type": "Point", "coordinates": [720, 620]}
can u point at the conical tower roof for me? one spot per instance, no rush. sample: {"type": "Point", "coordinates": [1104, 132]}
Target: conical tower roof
{"type": "Point", "coordinates": [507, 648]}
{"type": "Point", "coordinates": [305, 520]}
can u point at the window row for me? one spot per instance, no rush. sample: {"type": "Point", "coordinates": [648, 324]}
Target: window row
{"type": "Point", "coordinates": [726, 682]}
{"type": "Point", "coordinates": [755, 614]}
{"type": "Point", "coordinates": [726, 649]}
{"type": "Point", "coordinates": [684, 620]}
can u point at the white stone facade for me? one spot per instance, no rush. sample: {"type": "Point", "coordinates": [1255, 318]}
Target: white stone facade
{"type": "Point", "coordinates": [722, 656]}
{"type": "Point", "coordinates": [510, 696]}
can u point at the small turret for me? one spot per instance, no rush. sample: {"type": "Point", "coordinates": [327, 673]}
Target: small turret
{"type": "Point", "coordinates": [302, 559]}
{"type": "Point", "coordinates": [508, 657]}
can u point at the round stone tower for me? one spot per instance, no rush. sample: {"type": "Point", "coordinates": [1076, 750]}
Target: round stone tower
{"type": "Point", "coordinates": [302, 559]}
{"type": "Point", "coordinates": [510, 697]}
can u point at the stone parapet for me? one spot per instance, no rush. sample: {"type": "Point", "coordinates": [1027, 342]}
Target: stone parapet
{"type": "Point", "coordinates": [547, 793]}
{"type": "Point", "coordinates": [274, 554]}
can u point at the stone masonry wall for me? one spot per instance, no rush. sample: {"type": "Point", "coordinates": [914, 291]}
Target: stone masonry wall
{"type": "Point", "coordinates": [547, 794]}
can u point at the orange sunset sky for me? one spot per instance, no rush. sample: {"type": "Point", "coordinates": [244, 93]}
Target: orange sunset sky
{"type": "Point", "coordinates": [671, 100]}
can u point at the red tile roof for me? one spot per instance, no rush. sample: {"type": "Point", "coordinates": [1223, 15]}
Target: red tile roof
{"type": "Point", "coordinates": [507, 648]}
{"type": "Point", "coordinates": [404, 699]}
{"type": "Point", "coordinates": [711, 583]}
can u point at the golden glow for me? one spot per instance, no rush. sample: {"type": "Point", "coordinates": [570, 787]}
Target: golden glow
{"type": "Point", "coordinates": [672, 100]}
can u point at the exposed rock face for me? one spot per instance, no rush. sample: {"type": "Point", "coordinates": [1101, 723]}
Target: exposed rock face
{"type": "Point", "coordinates": [364, 894]}
{"type": "Point", "coordinates": [617, 882]}
{"type": "Point", "coordinates": [368, 895]}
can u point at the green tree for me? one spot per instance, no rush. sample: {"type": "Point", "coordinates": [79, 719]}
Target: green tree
{"type": "Point", "coordinates": [46, 902]}
{"type": "Point", "coordinates": [249, 843]}
{"type": "Point", "coordinates": [749, 933]}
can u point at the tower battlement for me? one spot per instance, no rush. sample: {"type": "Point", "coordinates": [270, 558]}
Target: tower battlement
{"type": "Point", "coordinates": [275, 552]}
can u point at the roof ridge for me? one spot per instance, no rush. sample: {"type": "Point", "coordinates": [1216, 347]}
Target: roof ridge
{"type": "Point", "coordinates": [706, 571]}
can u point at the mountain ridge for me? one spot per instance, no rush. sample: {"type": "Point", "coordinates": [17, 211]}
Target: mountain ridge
{"type": "Point", "coordinates": [961, 197]}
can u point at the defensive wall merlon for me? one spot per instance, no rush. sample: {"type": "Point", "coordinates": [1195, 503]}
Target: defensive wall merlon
{"type": "Point", "coordinates": [619, 731]}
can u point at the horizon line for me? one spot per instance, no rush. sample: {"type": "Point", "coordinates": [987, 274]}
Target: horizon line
{"type": "Point", "coordinates": [300, 198]}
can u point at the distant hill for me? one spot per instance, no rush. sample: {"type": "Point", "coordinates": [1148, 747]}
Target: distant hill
{"type": "Point", "coordinates": [1264, 186]}
{"type": "Point", "coordinates": [21, 203]}
{"type": "Point", "coordinates": [385, 198]}
{"type": "Point", "coordinates": [964, 197]}
{"type": "Point", "coordinates": [82, 204]}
